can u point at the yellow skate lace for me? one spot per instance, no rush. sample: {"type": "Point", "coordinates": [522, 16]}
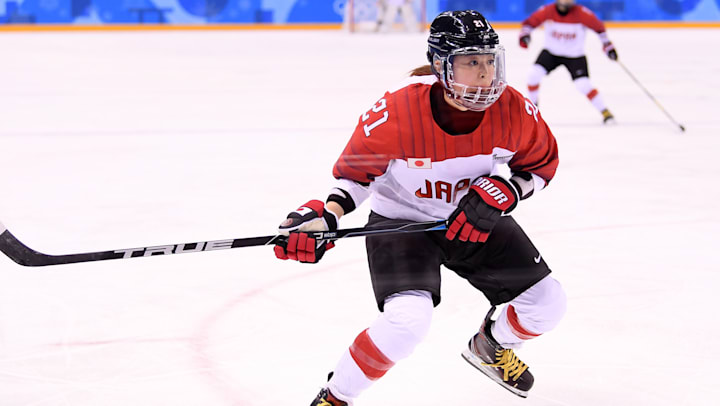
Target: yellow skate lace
{"type": "Point", "coordinates": [325, 402]}
{"type": "Point", "coordinates": [509, 362]}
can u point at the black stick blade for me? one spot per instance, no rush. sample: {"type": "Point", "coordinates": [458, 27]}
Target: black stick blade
{"type": "Point", "coordinates": [26, 256]}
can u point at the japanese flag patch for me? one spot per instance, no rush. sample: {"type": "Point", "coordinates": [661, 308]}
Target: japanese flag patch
{"type": "Point", "coordinates": [419, 163]}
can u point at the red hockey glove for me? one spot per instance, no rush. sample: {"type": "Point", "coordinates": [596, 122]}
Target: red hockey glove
{"type": "Point", "coordinates": [477, 212]}
{"type": "Point", "coordinates": [300, 246]}
{"type": "Point", "coordinates": [609, 49]}
{"type": "Point", "coordinates": [524, 41]}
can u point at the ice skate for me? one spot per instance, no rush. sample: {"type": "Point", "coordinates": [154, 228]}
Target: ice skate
{"type": "Point", "coordinates": [608, 118]}
{"type": "Point", "coordinates": [326, 398]}
{"type": "Point", "coordinates": [498, 363]}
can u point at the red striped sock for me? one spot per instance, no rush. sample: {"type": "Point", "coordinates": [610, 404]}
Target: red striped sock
{"type": "Point", "coordinates": [515, 327]}
{"type": "Point", "coordinates": [368, 357]}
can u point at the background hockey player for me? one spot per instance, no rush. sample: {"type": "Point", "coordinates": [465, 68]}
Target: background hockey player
{"type": "Point", "coordinates": [565, 27]}
{"type": "Point", "coordinates": [452, 142]}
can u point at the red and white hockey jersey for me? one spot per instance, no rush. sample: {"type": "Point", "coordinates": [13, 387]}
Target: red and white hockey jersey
{"type": "Point", "coordinates": [565, 34]}
{"type": "Point", "coordinates": [414, 170]}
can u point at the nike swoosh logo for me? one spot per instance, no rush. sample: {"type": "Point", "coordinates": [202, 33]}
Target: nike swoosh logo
{"type": "Point", "coordinates": [537, 259]}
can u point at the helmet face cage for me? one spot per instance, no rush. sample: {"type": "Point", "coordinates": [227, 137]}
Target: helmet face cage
{"type": "Point", "coordinates": [467, 32]}
{"type": "Point", "coordinates": [476, 98]}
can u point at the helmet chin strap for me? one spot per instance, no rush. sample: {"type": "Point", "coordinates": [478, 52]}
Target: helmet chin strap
{"type": "Point", "coordinates": [454, 102]}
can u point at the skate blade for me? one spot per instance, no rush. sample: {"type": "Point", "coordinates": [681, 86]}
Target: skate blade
{"type": "Point", "coordinates": [473, 360]}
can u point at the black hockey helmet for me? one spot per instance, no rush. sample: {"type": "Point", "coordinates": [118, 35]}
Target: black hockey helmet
{"type": "Point", "coordinates": [459, 29]}
{"type": "Point", "coordinates": [465, 33]}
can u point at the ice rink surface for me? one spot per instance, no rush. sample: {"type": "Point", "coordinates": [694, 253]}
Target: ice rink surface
{"type": "Point", "coordinates": [119, 140]}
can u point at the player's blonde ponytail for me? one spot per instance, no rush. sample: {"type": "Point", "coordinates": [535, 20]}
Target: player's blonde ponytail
{"type": "Point", "coordinates": [421, 71]}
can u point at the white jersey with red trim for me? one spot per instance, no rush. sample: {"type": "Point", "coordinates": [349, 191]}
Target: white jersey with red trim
{"type": "Point", "coordinates": [565, 34]}
{"type": "Point", "coordinates": [414, 170]}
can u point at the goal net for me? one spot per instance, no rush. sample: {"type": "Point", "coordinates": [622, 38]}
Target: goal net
{"type": "Point", "coordinates": [384, 15]}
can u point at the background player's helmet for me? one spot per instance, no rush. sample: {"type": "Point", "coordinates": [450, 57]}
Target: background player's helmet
{"type": "Point", "coordinates": [465, 33]}
{"type": "Point", "coordinates": [563, 6]}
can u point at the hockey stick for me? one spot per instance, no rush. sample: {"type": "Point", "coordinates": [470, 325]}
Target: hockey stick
{"type": "Point", "coordinates": [26, 256]}
{"type": "Point", "coordinates": [682, 128]}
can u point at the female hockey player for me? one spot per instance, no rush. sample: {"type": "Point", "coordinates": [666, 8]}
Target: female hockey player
{"type": "Point", "coordinates": [452, 142]}
{"type": "Point", "coordinates": [565, 26]}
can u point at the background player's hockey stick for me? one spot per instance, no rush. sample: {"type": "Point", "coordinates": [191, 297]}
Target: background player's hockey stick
{"type": "Point", "coordinates": [24, 255]}
{"type": "Point", "coordinates": [682, 128]}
